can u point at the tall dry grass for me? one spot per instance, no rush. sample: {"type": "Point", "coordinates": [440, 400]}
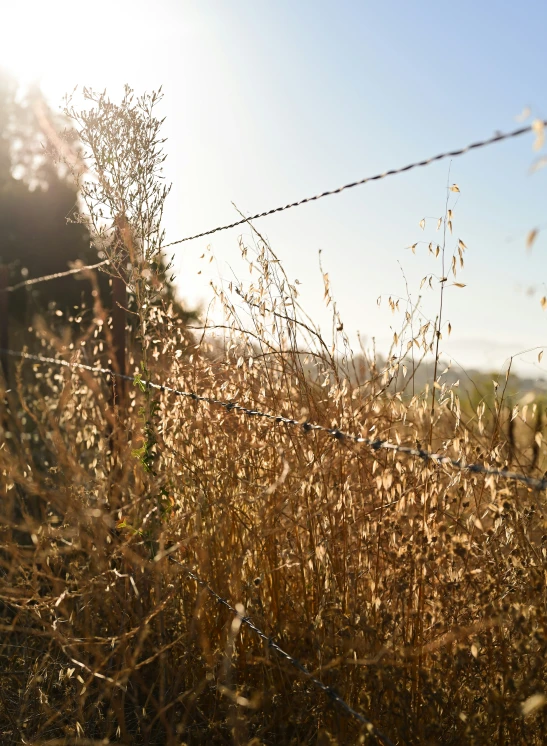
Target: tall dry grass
{"type": "Point", "coordinates": [416, 591]}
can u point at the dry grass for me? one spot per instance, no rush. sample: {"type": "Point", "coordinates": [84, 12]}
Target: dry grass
{"type": "Point", "coordinates": [416, 591]}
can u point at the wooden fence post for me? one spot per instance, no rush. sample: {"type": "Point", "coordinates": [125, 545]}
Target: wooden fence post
{"type": "Point", "coordinates": [4, 321]}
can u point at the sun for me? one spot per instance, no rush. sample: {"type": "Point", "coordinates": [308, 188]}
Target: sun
{"type": "Point", "coordinates": [58, 44]}
{"type": "Point", "coordinates": [34, 45]}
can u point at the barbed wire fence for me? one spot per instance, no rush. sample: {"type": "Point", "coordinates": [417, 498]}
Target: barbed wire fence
{"type": "Point", "coordinates": [118, 332]}
{"type": "Point", "coordinates": [341, 436]}
{"type": "Point", "coordinates": [306, 427]}
{"type": "Point", "coordinates": [229, 406]}
{"type": "Point", "coordinates": [118, 310]}
{"type": "Point", "coordinates": [498, 137]}
{"type": "Point", "coordinates": [272, 645]}
{"type": "Point", "coordinates": [55, 276]}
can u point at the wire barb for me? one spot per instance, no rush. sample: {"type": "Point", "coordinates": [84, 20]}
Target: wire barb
{"type": "Point", "coordinates": [498, 137]}
{"type": "Point", "coordinates": [339, 435]}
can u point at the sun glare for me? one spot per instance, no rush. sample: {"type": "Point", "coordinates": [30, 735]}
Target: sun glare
{"type": "Point", "coordinates": [59, 44]}
{"type": "Point", "coordinates": [35, 46]}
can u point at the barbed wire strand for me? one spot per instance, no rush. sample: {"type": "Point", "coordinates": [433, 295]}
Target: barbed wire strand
{"type": "Point", "coordinates": [46, 278]}
{"type": "Point", "coordinates": [498, 137]}
{"type": "Point", "coordinates": [329, 691]}
{"type": "Point", "coordinates": [339, 435]}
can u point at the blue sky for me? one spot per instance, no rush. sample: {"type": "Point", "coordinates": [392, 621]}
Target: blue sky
{"type": "Point", "coordinates": [270, 102]}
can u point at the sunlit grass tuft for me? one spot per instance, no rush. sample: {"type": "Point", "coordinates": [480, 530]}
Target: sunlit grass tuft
{"type": "Point", "coordinates": [416, 591]}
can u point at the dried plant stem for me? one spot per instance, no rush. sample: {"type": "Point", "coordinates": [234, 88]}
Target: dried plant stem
{"type": "Point", "coordinates": [438, 324]}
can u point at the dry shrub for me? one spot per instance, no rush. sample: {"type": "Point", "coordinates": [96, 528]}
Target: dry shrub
{"type": "Point", "coordinates": [416, 591]}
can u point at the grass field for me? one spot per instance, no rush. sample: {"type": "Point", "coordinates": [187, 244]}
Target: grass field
{"type": "Point", "coordinates": [416, 591]}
